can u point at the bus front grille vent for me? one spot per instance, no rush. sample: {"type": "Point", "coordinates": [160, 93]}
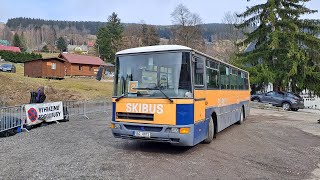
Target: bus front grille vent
{"type": "Point", "coordinates": [135, 116]}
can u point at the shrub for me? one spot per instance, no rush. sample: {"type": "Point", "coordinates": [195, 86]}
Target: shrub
{"type": "Point", "coordinates": [18, 57]}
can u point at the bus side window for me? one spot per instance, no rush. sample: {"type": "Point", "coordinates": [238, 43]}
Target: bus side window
{"type": "Point", "coordinates": [233, 78]}
{"type": "Point", "coordinates": [198, 72]}
{"type": "Point", "coordinates": [246, 81]}
{"type": "Point", "coordinates": [224, 77]}
{"type": "Point", "coordinates": [212, 75]}
{"type": "Point", "coordinates": [240, 80]}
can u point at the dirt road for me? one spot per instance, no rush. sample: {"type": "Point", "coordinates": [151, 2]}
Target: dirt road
{"type": "Point", "coordinates": [269, 145]}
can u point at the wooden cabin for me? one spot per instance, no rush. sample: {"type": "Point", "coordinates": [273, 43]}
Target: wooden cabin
{"type": "Point", "coordinates": [52, 68]}
{"type": "Point", "coordinates": [82, 65]}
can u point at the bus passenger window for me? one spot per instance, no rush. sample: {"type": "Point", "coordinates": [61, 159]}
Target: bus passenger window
{"type": "Point", "coordinates": [224, 77]}
{"type": "Point", "coordinates": [212, 75]}
{"type": "Point", "coordinates": [240, 80]}
{"type": "Point", "coordinates": [233, 78]}
{"type": "Point", "coordinates": [246, 81]}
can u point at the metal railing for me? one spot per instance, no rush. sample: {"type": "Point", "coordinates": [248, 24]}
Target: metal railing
{"type": "Point", "coordinates": [11, 117]}
{"type": "Point", "coordinates": [15, 116]}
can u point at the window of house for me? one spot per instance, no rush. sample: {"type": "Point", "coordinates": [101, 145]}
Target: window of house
{"type": "Point", "coordinates": [80, 67]}
{"type": "Point", "coordinates": [90, 68]}
{"type": "Point", "coordinates": [53, 66]}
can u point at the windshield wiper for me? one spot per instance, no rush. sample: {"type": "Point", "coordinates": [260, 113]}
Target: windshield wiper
{"type": "Point", "coordinates": [158, 90]}
{"type": "Point", "coordinates": [122, 96]}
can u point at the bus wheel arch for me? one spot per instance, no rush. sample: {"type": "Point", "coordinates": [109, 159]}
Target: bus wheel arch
{"type": "Point", "coordinates": [244, 112]}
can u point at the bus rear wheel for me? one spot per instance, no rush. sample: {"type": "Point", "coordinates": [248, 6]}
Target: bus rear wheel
{"type": "Point", "coordinates": [241, 116]}
{"type": "Point", "coordinates": [210, 132]}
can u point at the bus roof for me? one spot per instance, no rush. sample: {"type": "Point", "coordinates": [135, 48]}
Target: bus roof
{"type": "Point", "coordinates": [159, 48]}
{"type": "Point", "coordinates": [153, 49]}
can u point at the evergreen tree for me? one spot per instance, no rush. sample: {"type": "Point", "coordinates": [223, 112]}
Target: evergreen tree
{"type": "Point", "coordinates": [61, 44]}
{"type": "Point", "coordinates": [16, 40]}
{"type": "Point", "coordinates": [109, 38]}
{"type": "Point", "coordinates": [23, 42]}
{"type": "Point", "coordinates": [286, 49]}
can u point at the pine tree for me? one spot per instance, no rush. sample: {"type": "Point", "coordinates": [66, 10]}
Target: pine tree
{"type": "Point", "coordinates": [61, 44]}
{"type": "Point", "coordinates": [23, 44]}
{"type": "Point", "coordinates": [286, 47]}
{"type": "Point", "coordinates": [16, 40]}
{"type": "Point", "coordinates": [109, 38]}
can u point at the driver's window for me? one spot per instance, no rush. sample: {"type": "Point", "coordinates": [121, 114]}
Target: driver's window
{"type": "Point", "coordinates": [198, 72]}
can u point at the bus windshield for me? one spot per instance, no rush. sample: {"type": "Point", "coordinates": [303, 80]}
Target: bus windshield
{"type": "Point", "coordinates": [156, 75]}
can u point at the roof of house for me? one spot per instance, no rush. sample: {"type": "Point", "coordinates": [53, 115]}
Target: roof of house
{"type": "Point", "coordinates": [90, 43]}
{"type": "Point", "coordinates": [82, 59]}
{"type": "Point", "coordinates": [153, 49]}
{"type": "Point", "coordinates": [10, 48]}
{"type": "Point", "coordinates": [59, 59]}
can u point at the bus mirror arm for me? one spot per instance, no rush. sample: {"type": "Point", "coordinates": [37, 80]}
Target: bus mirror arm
{"type": "Point", "coordinates": [123, 95]}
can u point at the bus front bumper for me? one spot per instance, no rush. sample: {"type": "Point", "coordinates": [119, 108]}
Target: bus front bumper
{"type": "Point", "coordinates": [158, 133]}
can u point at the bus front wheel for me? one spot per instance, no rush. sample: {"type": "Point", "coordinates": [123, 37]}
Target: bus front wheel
{"type": "Point", "coordinates": [210, 132]}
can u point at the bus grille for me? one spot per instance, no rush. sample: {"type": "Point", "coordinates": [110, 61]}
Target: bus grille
{"type": "Point", "coordinates": [144, 128]}
{"type": "Point", "coordinates": [135, 116]}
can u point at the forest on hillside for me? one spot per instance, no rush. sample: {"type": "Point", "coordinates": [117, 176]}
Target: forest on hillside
{"type": "Point", "coordinates": [210, 32]}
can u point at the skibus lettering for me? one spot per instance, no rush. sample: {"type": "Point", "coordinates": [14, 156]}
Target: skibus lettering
{"type": "Point", "coordinates": [144, 108]}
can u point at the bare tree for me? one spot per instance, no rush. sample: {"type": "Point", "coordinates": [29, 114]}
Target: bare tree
{"type": "Point", "coordinates": [187, 28]}
{"type": "Point", "coordinates": [132, 36]}
{"type": "Point", "coordinates": [225, 47]}
{"type": "Point", "coordinates": [231, 20]}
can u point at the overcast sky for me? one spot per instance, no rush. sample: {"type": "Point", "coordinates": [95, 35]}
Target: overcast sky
{"type": "Point", "coordinates": [130, 11]}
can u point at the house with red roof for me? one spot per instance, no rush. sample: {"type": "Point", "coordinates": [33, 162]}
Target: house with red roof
{"type": "Point", "coordinates": [82, 65]}
{"type": "Point", "coordinates": [10, 48]}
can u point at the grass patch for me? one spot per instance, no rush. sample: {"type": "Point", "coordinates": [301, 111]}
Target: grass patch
{"type": "Point", "coordinates": [15, 88]}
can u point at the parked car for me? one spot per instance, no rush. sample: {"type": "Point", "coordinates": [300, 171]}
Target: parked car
{"type": "Point", "coordinates": [7, 68]}
{"type": "Point", "coordinates": [286, 100]}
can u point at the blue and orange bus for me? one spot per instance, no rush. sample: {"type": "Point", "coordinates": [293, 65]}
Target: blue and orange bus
{"type": "Point", "coordinates": [175, 94]}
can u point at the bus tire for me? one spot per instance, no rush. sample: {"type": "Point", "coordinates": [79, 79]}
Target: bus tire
{"type": "Point", "coordinates": [210, 132]}
{"type": "Point", "coordinates": [241, 116]}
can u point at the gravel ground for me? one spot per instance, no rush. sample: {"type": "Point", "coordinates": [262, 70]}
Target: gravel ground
{"type": "Point", "coordinates": [269, 145]}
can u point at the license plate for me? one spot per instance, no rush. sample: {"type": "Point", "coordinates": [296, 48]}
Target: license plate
{"type": "Point", "coordinates": [142, 134]}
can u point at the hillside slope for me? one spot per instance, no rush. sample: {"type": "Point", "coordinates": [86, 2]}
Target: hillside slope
{"type": "Point", "coordinates": [15, 88]}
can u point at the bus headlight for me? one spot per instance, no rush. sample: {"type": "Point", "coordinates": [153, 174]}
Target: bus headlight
{"type": "Point", "coordinates": [174, 130]}
{"type": "Point", "coordinates": [117, 126]}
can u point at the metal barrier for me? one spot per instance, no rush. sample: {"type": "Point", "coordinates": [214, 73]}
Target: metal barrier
{"type": "Point", "coordinates": [83, 108]}
{"type": "Point", "coordinates": [96, 106]}
{"type": "Point", "coordinates": [74, 108]}
{"type": "Point", "coordinates": [15, 116]}
{"type": "Point", "coordinates": [11, 118]}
